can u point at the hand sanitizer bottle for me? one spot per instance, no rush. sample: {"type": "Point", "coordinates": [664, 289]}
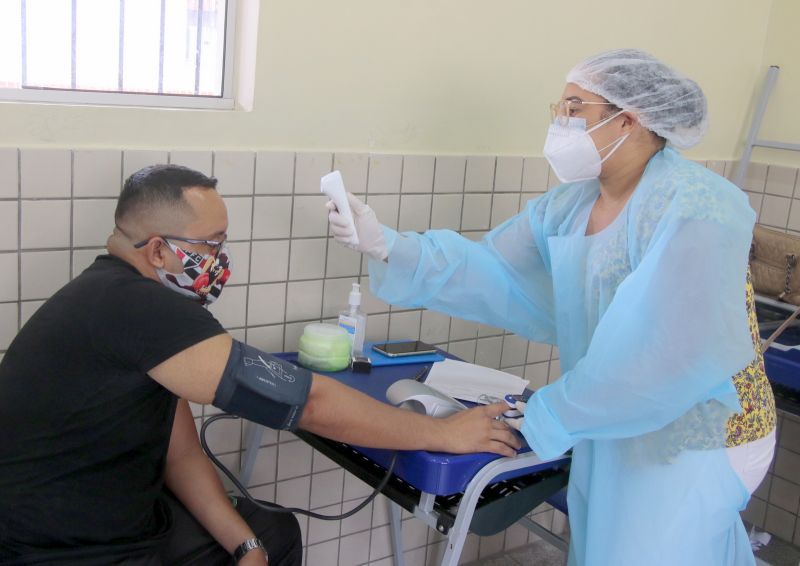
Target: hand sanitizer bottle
{"type": "Point", "coordinates": [355, 321]}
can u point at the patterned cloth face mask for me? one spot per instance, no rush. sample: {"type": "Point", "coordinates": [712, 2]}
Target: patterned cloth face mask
{"type": "Point", "coordinates": [203, 276]}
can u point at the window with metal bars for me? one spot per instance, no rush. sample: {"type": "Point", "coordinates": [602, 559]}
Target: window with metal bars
{"type": "Point", "coordinates": [128, 52]}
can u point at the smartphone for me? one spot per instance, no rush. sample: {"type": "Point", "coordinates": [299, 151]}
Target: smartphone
{"type": "Point", "coordinates": [409, 348]}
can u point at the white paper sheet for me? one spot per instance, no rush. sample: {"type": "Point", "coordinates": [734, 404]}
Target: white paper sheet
{"type": "Point", "coordinates": [468, 382]}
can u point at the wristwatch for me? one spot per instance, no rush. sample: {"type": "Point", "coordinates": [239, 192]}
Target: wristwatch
{"type": "Point", "coordinates": [247, 546]}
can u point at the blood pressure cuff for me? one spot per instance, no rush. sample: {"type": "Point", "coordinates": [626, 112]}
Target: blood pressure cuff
{"type": "Point", "coordinates": [262, 388]}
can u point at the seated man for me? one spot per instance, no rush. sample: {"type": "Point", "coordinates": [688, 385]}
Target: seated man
{"type": "Point", "coordinates": [99, 459]}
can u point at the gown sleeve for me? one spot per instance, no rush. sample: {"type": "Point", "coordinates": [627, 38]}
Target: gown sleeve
{"type": "Point", "coordinates": [503, 280]}
{"type": "Point", "coordinates": [672, 337]}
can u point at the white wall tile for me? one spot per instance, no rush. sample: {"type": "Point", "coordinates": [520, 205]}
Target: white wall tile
{"type": "Point", "coordinates": [461, 329]}
{"type": "Point", "coordinates": [377, 328]}
{"type": "Point", "coordinates": [336, 294]}
{"type": "Point", "coordinates": [415, 213]}
{"type": "Point", "coordinates": [266, 338]}
{"type": "Point", "coordinates": [342, 261]}
{"type": "Point", "coordinates": [319, 530]}
{"type": "Point", "coordinates": [81, 259]}
{"type": "Point", "coordinates": [354, 168]}
{"type": "Point", "coordinates": [485, 330]}
{"type": "Point", "coordinates": [240, 262]}
{"type": "Point", "coordinates": [9, 173]}
{"type": "Point", "coordinates": [477, 209]}
{"type": "Point", "coordinates": [361, 521]}
{"type": "Point", "coordinates": [479, 174]}
{"type": "Point", "coordinates": [225, 436]}
{"type": "Point", "coordinates": [135, 159]}
{"type": "Point", "coordinates": [9, 225]}
{"type": "Point", "coordinates": [44, 273]}
{"type": "Point", "coordinates": [309, 169]}
{"type": "Point", "coordinates": [370, 303]}
{"type": "Point", "coordinates": [449, 174]}
{"type": "Point", "coordinates": [435, 327]}
{"type": "Point", "coordinates": [294, 492]}
{"type": "Point", "coordinates": [266, 304]}
{"type": "Point", "coordinates": [446, 212]}
{"type": "Point", "coordinates": [386, 207]}
{"type": "Point", "coordinates": [265, 466]}
{"type": "Point", "coordinates": [488, 352]}
{"type": "Point", "coordinates": [28, 309]}
{"type": "Point", "coordinates": [717, 167]}
{"type": "Point", "coordinates": [781, 180]}
{"type": "Point", "coordinates": [304, 300]}
{"type": "Point", "coordinates": [272, 217]}
{"type": "Point", "coordinates": [355, 489]}
{"type": "Point", "coordinates": [555, 371]}
{"type": "Point", "coordinates": [9, 283]}
{"type": "Point", "coordinates": [231, 307]}
{"type": "Point", "coordinates": [418, 173]}
{"type": "Point", "coordinates": [240, 214]}
{"type": "Point", "coordinates": [755, 200]}
{"type": "Point", "coordinates": [274, 172]}
{"type": "Point", "coordinates": [292, 335]}
{"type": "Point", "coordinates": [198, 160]}
{"type": "Point", "coordinates": [463, 350]}
{"type": "Point", "coordinates": [380, 544]}
{"type": "Point", "coordinates": [326, 488]}
{"type": "Point", "coordinates": [538, 352]}
{"type": "Point", "coordinates": [756, 178]}
{"type": "Point", "coordinates": [8, 324]}
{"type": "Point", "coordinates": [294, 459]}
{"type": "Point", "coordinates": [98, 173]}
{"type": "Point", "coordinates": [537, 374]}
{"type": "Point", "coordinates": [309, 216]}
{"type": "Point", "coordinates": [515, 351]}
{"type": "Point", "coordinates": [534, 174]}
{"type": "Point", "coordinates": [92, 221]}
{"type": "Point", "coordinates": [323, 554]}
{"type": "Point", "coordinates": [270, 261]}
{"type": "Point", "coordinates": [354, 549]}
{"type": "Point", "coordinates": [415, 533]}
{"type": "Point", "coordinates": [404, 325]}
{"type": "Point", "coordinates": [508, 173]}
{"type": "Point", "coordinates": [384, 173]}
{"type": "Point", "coordinates": [504, 206]}
{"type": "Point", "coordinates": [235, 171]}
{"type": "Point", "coordinates": [46, 172]}
{"type": "Point", "coordinates": [775, 211]}
{"type": "Point", "coordinates": [45, 223]}
{"type": "Point", "coordinates": [307, 260]}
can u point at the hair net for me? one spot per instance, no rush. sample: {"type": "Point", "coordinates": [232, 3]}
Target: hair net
{"type": "Point", "coordinates": [665, 101]}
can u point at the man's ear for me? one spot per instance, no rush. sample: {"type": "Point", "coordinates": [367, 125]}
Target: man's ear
{"type": "Point", "coordinates": [156, 252]}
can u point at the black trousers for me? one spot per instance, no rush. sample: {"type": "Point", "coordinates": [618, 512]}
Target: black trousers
{"type": "Point", "coordinates": [188, 543]}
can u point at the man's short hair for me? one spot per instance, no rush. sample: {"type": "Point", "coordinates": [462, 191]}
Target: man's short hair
{"type": "Point", "coordinates": [158, 187]}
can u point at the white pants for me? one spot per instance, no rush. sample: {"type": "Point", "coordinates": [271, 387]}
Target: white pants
{"type": "Point", "coordinates": [751, 461]}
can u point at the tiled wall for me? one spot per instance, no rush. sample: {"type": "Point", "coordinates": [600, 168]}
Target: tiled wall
{"type": "Point", "coordinates": [56, 210]}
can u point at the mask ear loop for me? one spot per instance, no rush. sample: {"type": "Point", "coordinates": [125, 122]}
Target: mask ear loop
{"type": "Point", "coordinates": [618, 143]}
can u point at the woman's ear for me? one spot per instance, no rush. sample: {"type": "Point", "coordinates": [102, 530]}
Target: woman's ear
{"type": "Point", "coordinates": [629, 122]}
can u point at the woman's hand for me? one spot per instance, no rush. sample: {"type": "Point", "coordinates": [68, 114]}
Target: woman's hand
{"type": "Point", "coordinates": [479, 430]}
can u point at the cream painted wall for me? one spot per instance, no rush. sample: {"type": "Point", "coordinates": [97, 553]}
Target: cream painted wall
{"type": "Point", "coordinates": [439, 76]}
{"type": "Point", "coordinates": [782, 119]}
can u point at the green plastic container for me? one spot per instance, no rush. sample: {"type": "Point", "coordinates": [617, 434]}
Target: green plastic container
{"type": "Point", "coordinates": [324, 347]}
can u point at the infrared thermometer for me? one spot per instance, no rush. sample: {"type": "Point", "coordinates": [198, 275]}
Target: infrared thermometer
{"type": "Point", "coordinates": [333, 186]}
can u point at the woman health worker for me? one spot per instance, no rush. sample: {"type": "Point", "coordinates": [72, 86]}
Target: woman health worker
{"type": "Point", "coordinates": [636, 267]}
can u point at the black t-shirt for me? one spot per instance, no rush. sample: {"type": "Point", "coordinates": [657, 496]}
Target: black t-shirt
{"type": "Point", "coordinates": [83, 430]}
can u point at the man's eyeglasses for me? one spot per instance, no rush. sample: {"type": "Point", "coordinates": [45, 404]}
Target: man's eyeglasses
{"type": "Point", "coordinates": [561, 111]}
{"type": "Point", "coordinates": [215, 245]}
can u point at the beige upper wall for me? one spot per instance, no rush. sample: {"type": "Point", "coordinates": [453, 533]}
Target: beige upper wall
{"type": "Point", "coordinates": [444, 76]}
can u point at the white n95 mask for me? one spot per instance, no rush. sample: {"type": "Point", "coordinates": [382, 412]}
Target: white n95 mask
{"type": "Point", "coordinates": [571, 152]}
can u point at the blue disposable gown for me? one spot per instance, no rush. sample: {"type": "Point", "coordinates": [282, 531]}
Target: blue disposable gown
{"type": "Point", "coordinates": [650, 318]}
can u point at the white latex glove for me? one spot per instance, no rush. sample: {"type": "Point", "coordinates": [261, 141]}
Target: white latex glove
{"type": "Point", "coordinates": [369, 230]}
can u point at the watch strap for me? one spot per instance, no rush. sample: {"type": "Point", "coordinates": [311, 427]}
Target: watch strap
{"type": "Point", "coordinates": [247, 546]}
